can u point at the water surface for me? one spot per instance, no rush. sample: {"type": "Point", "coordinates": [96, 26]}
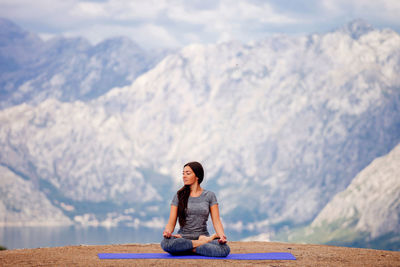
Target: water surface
{"type": "Point", "coordinates": [35, 237]}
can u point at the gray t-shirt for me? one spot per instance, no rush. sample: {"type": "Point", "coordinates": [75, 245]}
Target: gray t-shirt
{"type": "Point", "coordinates": [198, 210]}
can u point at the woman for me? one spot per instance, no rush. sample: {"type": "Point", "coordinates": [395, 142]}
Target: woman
{"type": "Point", "coordinates": [192, 205]}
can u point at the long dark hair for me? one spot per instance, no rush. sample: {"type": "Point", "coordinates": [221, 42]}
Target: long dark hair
{"type": "Point", "coordinates": [184, 192]}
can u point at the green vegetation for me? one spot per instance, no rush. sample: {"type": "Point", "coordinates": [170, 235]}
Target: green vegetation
{"type": "Point", "coordinates": [341, 229]}
{"type": "Point", "coordinates": [339, 233]}
{"type": "Point", "coordinates": [3, 248]}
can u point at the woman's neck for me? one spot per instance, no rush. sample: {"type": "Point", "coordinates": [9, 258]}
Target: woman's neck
{"type": "Point", "coordinates": [195, 190]}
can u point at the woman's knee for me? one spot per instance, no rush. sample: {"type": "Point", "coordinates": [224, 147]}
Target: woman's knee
{"type": "Point", "coordinates": [214, 249]}
{"type": "Point", "coordinates": [225, 250]}
{"type": "Point", "coordinates": [166, 244]}
{"type": "Point", "coordinates": [176, 245]}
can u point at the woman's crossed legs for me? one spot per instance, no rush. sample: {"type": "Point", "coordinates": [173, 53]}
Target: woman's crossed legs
{"type": "Point", "coordinates": [205, 246]}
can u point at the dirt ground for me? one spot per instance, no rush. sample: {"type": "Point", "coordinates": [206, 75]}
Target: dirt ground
{"type": "Point", "coordinates": [307, 255]}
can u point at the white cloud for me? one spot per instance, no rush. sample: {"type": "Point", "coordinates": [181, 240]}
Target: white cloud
{"type": "Point", "coordinates": [180, 22]}
{"type": "Point", "coordinates": [229, 14]}
{"type": "Point", "coordinates": [151, 36]}
{"type": "Point", "coordinates": [121, 9]}
{"type": "Point", "coordinates": [387, 10]}
{"type": "Point", "coordinates": [230, 20]}
{"type": "Point", "coordinates": [89, 9]}
{"type": "Point", "coordinates": [146, 35]}
{"type": "Point", "coordinates": [39, 11]}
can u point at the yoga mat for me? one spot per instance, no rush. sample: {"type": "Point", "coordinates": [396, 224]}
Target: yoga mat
{"type": "Point", "coordinates": [246, 256]}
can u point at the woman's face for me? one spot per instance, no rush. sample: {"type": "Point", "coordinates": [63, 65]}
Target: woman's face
{"type": "Point", "coordinates": [188, 176]}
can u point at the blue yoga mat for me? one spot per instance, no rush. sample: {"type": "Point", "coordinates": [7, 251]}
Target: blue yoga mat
{"type": "Point", "coordinates": [246, 256]}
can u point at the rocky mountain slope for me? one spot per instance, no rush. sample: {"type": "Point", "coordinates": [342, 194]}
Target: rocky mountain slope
{"type": "Point", "coordinates": [372, 201]}
{"type": "Point", "coordinates": [67, 69]}
{"type": "Point", "coordinates": [22, 204]}
{"type": "Point", "coordinates": [366, 212]}
{"type": "Point", "coordinates": [281, 126]}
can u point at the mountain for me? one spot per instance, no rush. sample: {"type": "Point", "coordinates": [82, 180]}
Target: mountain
{"type": "Point", "coordinates": [366, 213]}
{"type": "Point", "coordinates": [281, 125]}
{"type": "Point", "coordinates": [66, 69]}
{"type": "Point", "coordinates": [16, 209]}
{"type": "Point", "coordinates": [356, 28]}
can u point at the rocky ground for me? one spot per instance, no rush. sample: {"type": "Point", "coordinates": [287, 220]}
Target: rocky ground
{"type": "Point", "coordinates": [307, 255]}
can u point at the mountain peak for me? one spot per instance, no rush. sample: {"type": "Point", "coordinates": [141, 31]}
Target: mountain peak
{"type": "Point", "coordinates": [8, 26]}
{"type": "Point", "coordinates": [356, 28]}
{"type": "Point", "coordinates": [120, 42]}
{"type": "Point", "coordinates": [11, 32]}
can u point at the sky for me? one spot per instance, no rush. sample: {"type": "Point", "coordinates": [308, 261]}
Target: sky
{"type": "Point", "coordinates": [176, 23]}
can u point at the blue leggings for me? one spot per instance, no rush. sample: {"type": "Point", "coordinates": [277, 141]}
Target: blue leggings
{"type": "Point", "coordinates": [182, 246]}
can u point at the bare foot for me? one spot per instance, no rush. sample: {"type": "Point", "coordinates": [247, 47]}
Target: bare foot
{"type": "Point", "coordinates": [203, 238]}
{"type": "Point", "coordinates": [201, 241]}
{"type": "Point", "coordinates": [177, 236]}
{"type": "Point", "coordinates": [207, 238]}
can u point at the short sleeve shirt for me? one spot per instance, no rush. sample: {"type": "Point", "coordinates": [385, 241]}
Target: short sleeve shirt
{"type": "Point", "coordinates": [198, 210]}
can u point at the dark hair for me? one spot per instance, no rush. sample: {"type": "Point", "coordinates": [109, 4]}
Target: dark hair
{"type": "Point", "coordinates": [184, 192]}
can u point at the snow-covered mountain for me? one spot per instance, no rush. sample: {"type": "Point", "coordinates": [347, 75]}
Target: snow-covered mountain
{"type": "Point", "coordinates": [32, 70]}
{"type": "Point", "coordinates": [366, 212]}
{"type": "Point", "coordinates": [281, 126]}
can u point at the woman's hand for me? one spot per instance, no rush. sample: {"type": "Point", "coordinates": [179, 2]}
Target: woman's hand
{"type": "Point", "coordinates": [222, 239]}
{"type": "Point", "coordinates": [219, 229]}
{"type": "Point", "coordinates": [173, 215]}
{"type": "Point", "coordinates": [167, 234]}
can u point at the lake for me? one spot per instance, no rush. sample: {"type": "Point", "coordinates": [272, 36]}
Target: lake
{"type": "Point", "coordinates": [35, 237]}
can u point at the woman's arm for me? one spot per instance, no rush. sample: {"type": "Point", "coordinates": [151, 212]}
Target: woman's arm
{"type": "Point", "coordinates": [219, 229]}
{"type": "Point", "coordinates": [173, 215]}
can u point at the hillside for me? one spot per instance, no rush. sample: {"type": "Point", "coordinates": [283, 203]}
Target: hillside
{"type": "Point", "coordinates": [367, 212]}
{"type": "Point", "coordinates": [32, 211]}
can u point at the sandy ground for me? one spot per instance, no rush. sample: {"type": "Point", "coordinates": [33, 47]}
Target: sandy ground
{"type": "Point", "coordinates": [307, 255]}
